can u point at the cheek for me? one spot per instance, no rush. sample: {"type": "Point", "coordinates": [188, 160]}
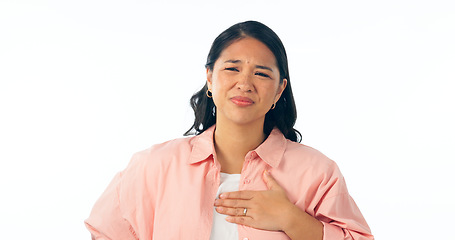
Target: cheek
{"type": "Point", "coordinates": [220, 83]}
{"type": "Point", "coordinates": [216, 90]}
{"type": "Point", "coordinates": [270, 90]}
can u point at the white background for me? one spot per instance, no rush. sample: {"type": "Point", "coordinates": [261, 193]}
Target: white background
{"type": "Point", "coordinates": [85, 84]}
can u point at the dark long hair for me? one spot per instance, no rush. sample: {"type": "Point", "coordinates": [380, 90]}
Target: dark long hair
{"type": "Point", "coordinates": [284, 114]}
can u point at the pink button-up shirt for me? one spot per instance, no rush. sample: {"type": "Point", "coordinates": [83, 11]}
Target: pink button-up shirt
{"type": "Point", "coordinates": [168, 191]}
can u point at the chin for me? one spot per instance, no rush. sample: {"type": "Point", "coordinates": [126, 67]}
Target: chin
{"type": "Point", "coordinates": [243, 121]}
{"type": "Point", "coordinates": [242, 116]}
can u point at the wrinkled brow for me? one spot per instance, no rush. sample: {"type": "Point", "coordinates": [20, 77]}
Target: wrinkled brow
{"type": "Point", "coordinates": [257, 66]}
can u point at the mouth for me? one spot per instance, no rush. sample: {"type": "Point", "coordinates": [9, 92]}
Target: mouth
{"type": "Point", "coordinates": [242, 101]}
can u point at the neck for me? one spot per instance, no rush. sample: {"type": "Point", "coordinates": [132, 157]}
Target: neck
{"type": "Point", "coordinates": [233, 142]}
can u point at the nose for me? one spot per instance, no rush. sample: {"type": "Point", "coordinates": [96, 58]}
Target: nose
{"type": "Point", "coordinates": [245, 83]}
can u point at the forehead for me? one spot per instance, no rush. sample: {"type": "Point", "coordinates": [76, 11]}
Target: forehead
{"type": "Point", "coordinates": [248, 50]}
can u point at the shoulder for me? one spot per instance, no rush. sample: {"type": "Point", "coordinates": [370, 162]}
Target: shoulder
{"type": "Point", "coordinates": [175, 146]}
{"type": "Point", "coordinates": [315, 170]}
{"type": "Point", "coordinates": [176, 149]}
{"type": "Point", "coordinates": [146, 167]}
{"type": "Point", "coordinates": [305, 159]}
{"type": "Point", "coordinates": [301, 152]}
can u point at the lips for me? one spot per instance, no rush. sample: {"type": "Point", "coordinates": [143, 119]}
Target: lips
{"type": "Point", "coordinates": [242, 101]}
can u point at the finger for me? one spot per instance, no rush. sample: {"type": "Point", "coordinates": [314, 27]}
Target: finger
{"type": "Point", "coordinates": [231, 211]}
{"type": "Point", "coordinates": [232, 203]}
{"type": "Point", "coordinates": [270, 181]}
{"type": "Point", "coordinates": [238, 195]}
{"type": "Point", "coordinates": [243, 220]}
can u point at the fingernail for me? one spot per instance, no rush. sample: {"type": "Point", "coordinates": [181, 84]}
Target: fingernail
{"type": "Point", "coordinates": [223, 195]}
{"type": "Point", "coordinates": [229, 219]}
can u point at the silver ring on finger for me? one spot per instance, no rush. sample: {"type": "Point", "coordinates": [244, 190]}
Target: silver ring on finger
{"type": "Point", "coordinates": [245, 211]}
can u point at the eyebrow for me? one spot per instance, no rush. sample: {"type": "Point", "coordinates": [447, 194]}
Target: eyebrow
{"type": "Point", "coordinates": [257, 66]}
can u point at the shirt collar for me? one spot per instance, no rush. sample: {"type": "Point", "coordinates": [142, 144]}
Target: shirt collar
{"type": "Point", "coordinates": [203, 146]}
{"type": "Point", "coordinates": [270, 151]}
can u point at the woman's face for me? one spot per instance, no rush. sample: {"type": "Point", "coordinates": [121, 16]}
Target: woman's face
{"type": "Point", "coordinates": [245, 82]}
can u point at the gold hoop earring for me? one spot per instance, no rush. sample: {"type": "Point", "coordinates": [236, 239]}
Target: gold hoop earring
{"type": "Point", "coordinates": [273, 106]}
{"type": "Point", "coordinates": [207, 93]}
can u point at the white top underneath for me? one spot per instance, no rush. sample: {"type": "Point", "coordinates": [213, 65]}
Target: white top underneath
{"type": "Point", "coordinates": [222, 229]}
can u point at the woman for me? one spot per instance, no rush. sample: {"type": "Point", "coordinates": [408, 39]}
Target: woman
{"type": "Point", "coordinates": [244, 176]}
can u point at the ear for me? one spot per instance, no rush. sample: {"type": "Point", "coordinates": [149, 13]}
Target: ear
{"type": "Point", "coordinates": [281, 89]}
{"type": "Point", "coordinates": [209, 78]}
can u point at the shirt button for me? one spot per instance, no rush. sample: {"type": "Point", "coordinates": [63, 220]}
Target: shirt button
{"type": "Point", "coordinates": [245, 238]}
{"type": "Point", "coordinates": [247, 181]}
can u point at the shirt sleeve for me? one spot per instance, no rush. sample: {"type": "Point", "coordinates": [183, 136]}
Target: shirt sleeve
{"type": "Point", "coordinates": [339, 213]}
{"type": "Point", "coordinates": [105, 221]}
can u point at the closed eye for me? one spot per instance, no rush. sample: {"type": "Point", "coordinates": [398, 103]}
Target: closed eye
{"type": "Point", "coordinates": [262, 74]}
{"type": "Point", "coordinates": [231, 69]}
